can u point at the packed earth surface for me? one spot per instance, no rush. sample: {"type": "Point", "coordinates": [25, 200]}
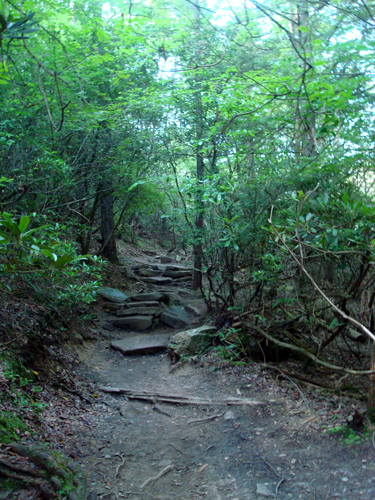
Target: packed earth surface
{"type": "Point", "coordinates": [200, 428]}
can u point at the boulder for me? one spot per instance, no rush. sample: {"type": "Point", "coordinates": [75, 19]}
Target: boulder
{"type": "Point", "coordinates": [145, 297]}
{"type": "Point", "coordinates": [141, 344]}
{"type": "Point", "coordinates": [143, 311]}
{"type": "Point", "coordinates": [175, 316]}
{"type": "Point", "coordinates": [190, 342]}
{"type": "Point", "coordinates": [112, 294]}
{"type": "Point", "coordinates": [137, 323]}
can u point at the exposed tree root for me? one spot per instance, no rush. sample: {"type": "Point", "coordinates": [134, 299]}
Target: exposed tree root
{"type": "Point", "coordinates": [51, 472]}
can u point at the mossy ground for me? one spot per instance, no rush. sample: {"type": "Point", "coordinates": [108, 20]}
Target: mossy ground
{"type": "Point", "coordinates": [10, 427]}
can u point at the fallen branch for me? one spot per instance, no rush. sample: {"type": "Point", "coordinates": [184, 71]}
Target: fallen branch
{"type": "Point", "coordinates": [120, 465]}
{"type": "Point", "coordinates": [207, 419]}
{"type": "Point", "coordinates": [282, 478]}
{"type": "Point", "coordinates": [153, 479]}
{"type": "Point", "coordinates": [308, 354]}
{"type": "Point", "coordinates": [179, 398]}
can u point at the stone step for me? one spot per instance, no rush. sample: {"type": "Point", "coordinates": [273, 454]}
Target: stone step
{"type": "Point", "coordinates": [185, 279]}
{"type": "Point", "coordinates": [135, 303]}
{"type": "Point", "coordinates": [151, 296]}
{"type": "Point", "coordinates": [142, 311]}
{"type": "Point", "coordinates": [158, 281]}
{"type": "Point", "coordinates": [112, 306]}
{"type": "Point", "coordinates": [178, 274]}
{"type": "Point", "coordinates": [137, 323]}
{"type": "Point", "coordinates": [178, 267]}
{"type": "Point", "coordinates": [149, 272]}
{"type": "Point", "coordinates": [176, 317]}
{"type": "Point", "coordinates": [141, 344]}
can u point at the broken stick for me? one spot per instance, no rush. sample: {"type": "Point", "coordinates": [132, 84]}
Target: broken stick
{"type": "Point", "coordinates": [153, 479]}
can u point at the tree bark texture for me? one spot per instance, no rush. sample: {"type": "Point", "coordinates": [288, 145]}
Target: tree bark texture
{"type": "Point", "coordinates": [107, 226]}
{"type": "Point", "coordinates": [199, 207]}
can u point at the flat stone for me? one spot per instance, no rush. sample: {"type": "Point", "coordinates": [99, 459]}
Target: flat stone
{"type": "Point", "coordinates": [179, 267]}
{"type": "Point", "coordinates": [149, 272]}
{"type": "Point", "coordinates": [150, 303]}
{"type": "Point", "coordinates": [164, 259]}
{"type": "Point", "coordinates": [178, 274]}
{"type": "Point", "coordinates": [112, 294]}
{"type": "Point", "coordinates": [112, 306]}
{"type": "Point", "coordinates": [189, 342]}
{"type": "Point", "coordinates": [158, 280]}
{"type": "Point", "coordinates": [143, 311]}
{"type": "Point", "coordinates": [175, 316]}
{"type": "Point", "coordinates": [183, 280]}
{"type": "Point", "coordinates": [109, 327]}
{"type": "Point", "coordinates": [137, 323]}
{"type": "Point", "coordinates": [264, 490]}
{"type": "Point", "coordinates": [144, 297]}
{"type": "Point", "coordinates": [141, 344]}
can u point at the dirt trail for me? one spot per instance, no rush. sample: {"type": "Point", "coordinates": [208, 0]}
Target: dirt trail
{"type": "Point", "coordinates": [275, 450]}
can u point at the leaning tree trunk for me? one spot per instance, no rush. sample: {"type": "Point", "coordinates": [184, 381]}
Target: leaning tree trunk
{"type": "Point", "coordinates": [371, 390]}
{"type": "Point", "coordinates": [199, 207]}
{"type": "Point", "coordinates": [107, 225]}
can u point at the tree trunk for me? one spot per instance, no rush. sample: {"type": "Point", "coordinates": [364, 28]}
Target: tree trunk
{"type": "Point", "coordinates": [371, 389]}
{"type": "Point", "coordinates": [107, 225]}
{"type": "Point", "coordinates": [305, 139]}
{"type": "Point", "coordinates": [199, 207]}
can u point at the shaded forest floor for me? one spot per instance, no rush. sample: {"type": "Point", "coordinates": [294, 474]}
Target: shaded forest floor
{"type": "Point", "coordinates": [283, 447]}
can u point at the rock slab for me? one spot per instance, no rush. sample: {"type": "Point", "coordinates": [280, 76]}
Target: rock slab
{"type": "Point", "coordinates": [137, 323]}
{"type": "Point", "coordinates": [141, 344]}
{"type": "Point", "coordinates": [147, 297]}
{"type": "Point", "coordinates": [175, 316]}
{"type": "Point", "coordinates": [112, 294]}
{"type": "Point", "coordinates": [142, 311]}
{"type": "Point", "coordinates": [158, 281]}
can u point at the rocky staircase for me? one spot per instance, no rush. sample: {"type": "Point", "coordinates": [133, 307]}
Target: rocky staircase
{"type": "Point", "coordinates": [167, 302]}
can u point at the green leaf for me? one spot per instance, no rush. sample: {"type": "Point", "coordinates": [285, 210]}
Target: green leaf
{"type": "Point", "coordinates": [24, 222]}
{"type": "Point", "coordinates": [5, 235]}
{"type": "Point", "coordinates": [28, 234]}
{"type": "Point", "coordinates": [62, 260]}
{"type": "Point", "coordinates": [133, 186]}
{"type": "Point", "coordinates": [304, 29]}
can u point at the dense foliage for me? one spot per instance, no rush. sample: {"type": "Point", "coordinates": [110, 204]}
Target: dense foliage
{"type": "Point", "coordinates": [192, 122]}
